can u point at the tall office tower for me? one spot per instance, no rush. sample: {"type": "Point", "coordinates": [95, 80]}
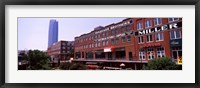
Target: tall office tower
{"type": "Point", "coordinates": [53, 32]}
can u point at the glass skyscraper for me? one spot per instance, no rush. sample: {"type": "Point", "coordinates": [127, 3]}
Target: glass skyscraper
{"type": "Point", "coordinates": [53, 32]}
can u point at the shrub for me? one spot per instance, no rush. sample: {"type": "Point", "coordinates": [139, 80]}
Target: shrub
{"type": "Point", "coordinates": [163, 63]}
{"type": "Point", "coordinates": [78, 66]}
{"type": "Point", "coordinates": [65, 66]}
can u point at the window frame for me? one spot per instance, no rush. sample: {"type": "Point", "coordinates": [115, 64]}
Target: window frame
{"type": "Point", "coordinates": [172, 20]}
{"type": "Point", "coordinates": [140, 38]}
{"type": "Point", "coordinates": [128, 38]}
{"type": "Point", "coordinates": [160, 51]}
{"type": "Point", "coordinates": [149, 23]}
{"type": "Point", "coordinates": [139, 26]}
{"type": "Point", "coordinates": [149, 38]}
{"type": "Point", "coordinates": [156, 20]}
{"type": "Point", "coordinates": [142, 54]}
{"type": "Point", "coordinates": [156, 36]}
{"type": "Point", "coordinates": [175, 37]}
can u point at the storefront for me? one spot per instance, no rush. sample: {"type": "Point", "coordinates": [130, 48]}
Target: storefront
{"type": "Point", "coordinates": [78, 55]}
{"type": "Point", "coordinates": [100, 54]}
{"type": "Point", "coordinates": [120, 53]}
{"type": "Point", "coordinates": [89, 55]}
{"type": "Point", "coordinates": [176, 49]}
{"type": "Point", "coordinates": [151, 51]}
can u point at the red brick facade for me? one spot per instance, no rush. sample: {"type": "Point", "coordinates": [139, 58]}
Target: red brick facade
{"type": "Point", "coordinates": [61, 50]}
{"type": "Point", "coordinates": [126, 45]}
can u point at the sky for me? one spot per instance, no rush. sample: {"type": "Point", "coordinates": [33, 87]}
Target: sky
{"type": "Point", "coordinates": [33, 32]}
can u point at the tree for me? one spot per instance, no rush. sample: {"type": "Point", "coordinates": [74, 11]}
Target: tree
{"type": "Point", "coordinates": [163, 63]}
{"type": "Point", "coordinates": [38, 60]}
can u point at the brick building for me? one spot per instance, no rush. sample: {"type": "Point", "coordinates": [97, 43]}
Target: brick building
{"type": "Point", "coordinates": [132, 41]}
{"type": "Point", "coordinates": [61, 50]}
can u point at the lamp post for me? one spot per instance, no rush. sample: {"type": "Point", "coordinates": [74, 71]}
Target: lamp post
{"type": "Point", "coordinates": [122, 65]}
{"type": "Point", "coordinates": [70, 61]}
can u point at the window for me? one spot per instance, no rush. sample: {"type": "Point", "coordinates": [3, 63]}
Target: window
{"type": "Point", "coordinates": [139, 25]}
{"type": "Point", "coordinates": [128, 28]}
{"type": "Point", "coordinates": [92, 45]}
{"type": "Point", "coordinates": [106, 42]}
{"type": "Point", "coordinates": [175, 34]}
{"type": "Point", "coordinates": [63, 43]}
{"type": "Point", "coordinates": [172, 19]}
{"type": "Point", "coordinates": [123, 39]}
{"type": "Point", "coordinates": [113, 32]}
{"type": "Point", "coordinates": [91, 37]}
{"type": "Point", "coordinates": [107, 33]}
{"type": "Point", "coordinates": [128, 38]}
{"type": "Point", "coordinates": [149, 38]}
{"type": "Point", "coordinates": [116, 31]}
{"type": "Point", "coordinates": [123, 29]}
{"type": "Point", "coordinates": [150, 53]}
{"type": "Point", "coordinates": [148, 23]}
{"type": "Point", "coordinates": [103, 35]}
{"type": "Point", "coordinates": [157, 21]}
{"type": "Point", "coordinates": [98, 35]}
{"type": "Point", "coordinates": [140, 39]}
{"type": "Point", "coordinates": [117, 40]}
{"type": "Point", "coordinates": [160, 52]}
{"type": "Point", "coordinates": [159, 36]}
{"type": "Point", "coordinates": [112, 40]}
{"type": "Point", "coordinates": [63, 47]}
{"type": "Point", "coordinates": [103, 43]}
{"type": "Point", "coordinates": [141, 54]}
{"type": "Point", "coordinates": [98, 44]}
{"type": "Point", "coordinates": [68, 48]}
{"type": "Point", "coordinates": [63, 51]}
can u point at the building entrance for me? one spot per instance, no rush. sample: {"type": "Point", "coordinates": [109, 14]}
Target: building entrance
{"type": "Point", "coordinates": [109, 55]}
{"type": "Point", "coordinates": [176, 54]}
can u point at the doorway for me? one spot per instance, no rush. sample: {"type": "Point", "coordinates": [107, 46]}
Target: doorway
{"type": "Point", "coordinates": [176, 54]}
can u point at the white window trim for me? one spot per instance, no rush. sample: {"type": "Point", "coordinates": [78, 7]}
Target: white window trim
{"type": "Point", "coordinates": [151, 55]}
{"type": "Point", "coordinates": [162, 36]}
{"type": "Point", "coordinates": [106, 42]}
{"type": "Point", "coordinates": [157, 21]}
{"type": "Point", "coordinates": [149, 39]}
{"type": "Point", "coordinates": [175, 35]}
{"type": "Point", "coordinates": [103, 43]}
{"type": "Point", "coordinates": [124, 40]}
{"type": "Point", "coordinates": [172, 20]}
{"type": "Point", "coordinates": [163, 51]}
{"type": "Point", "coordinates": [141, 26]}
{"type": "Point", "coordinates": [116, 41]}
{"type": "Point", "coordinates": [141, 39]}
{"type": "Point", "coordinates": [149, 21]}
{"type": "Point", "coordinates": [142, 55]}
{"type": "Point", "coordinates": [127, 39]}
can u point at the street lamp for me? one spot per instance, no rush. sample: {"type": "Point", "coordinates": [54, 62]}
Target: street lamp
{"type": "Point", "coordinates": [122, 65]}
{"type": "Point", "coordinates": [71, 60]}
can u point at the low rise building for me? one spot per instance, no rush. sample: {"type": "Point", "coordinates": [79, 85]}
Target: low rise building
{"type": "Point", "coordinates": [61, 51]}
{"type": "Point", "coordinates": [133, 41]}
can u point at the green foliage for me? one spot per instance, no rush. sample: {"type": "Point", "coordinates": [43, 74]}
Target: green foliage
{"type": "Point", "coordinates": [72, 66]}
{"type": "Point", "coordinates": [23, 56]}
{"type": "Point", "coordinates": [161, 64]}
{"type": "Point", "coordinates": [65, 66]}
{"type": "Point", "coordinates": [77, 66]}
{"type": "Point", "coordinates": [38, 60]}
